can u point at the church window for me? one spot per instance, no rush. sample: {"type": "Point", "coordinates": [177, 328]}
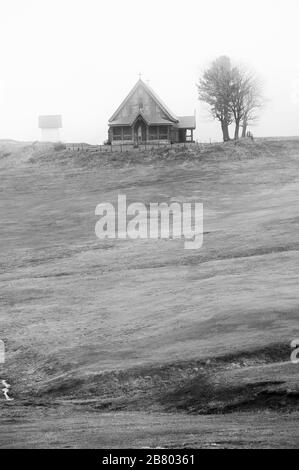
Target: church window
{"type": "Point", "coordinates": [153, 133]}
{"type": "Point", "coordinates": [127, 133]}
{"type": "Point", "coordinates": [117, 133]}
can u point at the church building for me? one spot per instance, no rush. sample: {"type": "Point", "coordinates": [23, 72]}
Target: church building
{"type": "Point", "coordinates": [143, 118]}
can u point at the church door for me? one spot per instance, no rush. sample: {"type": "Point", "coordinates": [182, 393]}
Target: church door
{"type": "Point", "coordinates": [140, 131]}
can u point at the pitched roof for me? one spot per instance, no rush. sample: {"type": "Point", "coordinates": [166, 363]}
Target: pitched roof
{"type": "Point", "coordinates": [161, 103]}
{"type": "Point", "coordinates": [50, 122]}
{"type": "Point", "coordinates": [172, 117]}
{"type": "Point", "coordinates": [129, 120]}
{"type": "Point", "coordinates": [186, 122]}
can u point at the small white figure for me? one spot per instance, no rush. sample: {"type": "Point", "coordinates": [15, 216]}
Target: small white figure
{"type": "Point", "coordinates": [6, 390]}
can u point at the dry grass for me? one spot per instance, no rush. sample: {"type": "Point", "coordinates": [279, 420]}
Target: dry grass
{"type": "Point", "coordinates": [74, 308]}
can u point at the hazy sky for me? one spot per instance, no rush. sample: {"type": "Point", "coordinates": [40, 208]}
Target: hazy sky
{"type": "Point", "coordinates": [80, 58]}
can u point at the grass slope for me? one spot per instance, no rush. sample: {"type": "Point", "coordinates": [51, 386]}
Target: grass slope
{"type": "Point", "coordinates": [137, 324]}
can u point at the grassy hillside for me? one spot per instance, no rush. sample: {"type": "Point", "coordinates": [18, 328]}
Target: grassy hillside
{"type": "Point", "coordinates": [141, 325]}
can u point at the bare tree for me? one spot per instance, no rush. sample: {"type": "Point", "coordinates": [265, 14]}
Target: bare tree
{"type": "Point", "coordinates": [233, 94]}
{"type": "Point", "coordinates": [253, 103]}
{"type": "Point", "coordinates": [239, 90]}
{"type": "Point", "coordinates": [245, 99]}
{"type": "Point", "coordinates": [214, 88]}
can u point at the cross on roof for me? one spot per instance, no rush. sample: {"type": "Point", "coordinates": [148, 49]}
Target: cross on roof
{"type": "Point", "coordinates": [140, 75]}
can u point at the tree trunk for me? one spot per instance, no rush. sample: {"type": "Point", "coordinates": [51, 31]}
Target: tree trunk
{"type": "Point", "coordinates": [244, 130]}
{"type": "Point", "coordinates": [237, 130]}
{"type": "Point", "coordinates": [225, 131]}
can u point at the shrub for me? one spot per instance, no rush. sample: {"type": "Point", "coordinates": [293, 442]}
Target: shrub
{"type": "Point", "coordinates": [59, 146]}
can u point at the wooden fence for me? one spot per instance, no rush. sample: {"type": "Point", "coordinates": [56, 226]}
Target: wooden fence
{"type": "Point", "coordinates": [129, 147]}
